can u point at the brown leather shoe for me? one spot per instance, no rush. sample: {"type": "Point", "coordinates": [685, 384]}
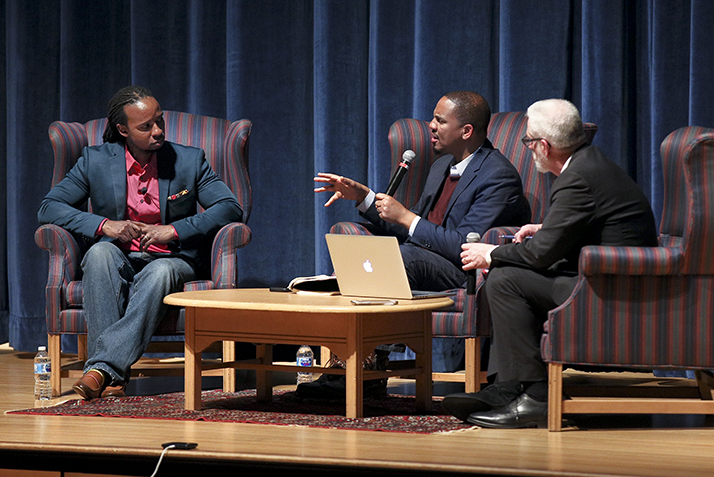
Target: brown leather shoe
{"type": "Point", "coordinates": [114, 391]}
{"type": "Point", "coordinates": [90, 385]}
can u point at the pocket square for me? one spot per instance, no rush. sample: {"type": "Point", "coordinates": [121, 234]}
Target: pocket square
{"type": "Point", "coordinates": [176, 196]}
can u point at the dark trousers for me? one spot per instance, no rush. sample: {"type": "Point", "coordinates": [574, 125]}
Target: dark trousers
{"type": "Point", "coordinates": [519, 300]}
{"type": "Point", "coordinates": [429, 271]}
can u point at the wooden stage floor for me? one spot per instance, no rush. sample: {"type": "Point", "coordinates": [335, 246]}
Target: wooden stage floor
{"type": "Point", "coordinates": [604, 445]}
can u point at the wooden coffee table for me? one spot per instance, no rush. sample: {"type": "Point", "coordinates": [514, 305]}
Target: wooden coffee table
{"type": "Point", "coordinates": [266, 318]}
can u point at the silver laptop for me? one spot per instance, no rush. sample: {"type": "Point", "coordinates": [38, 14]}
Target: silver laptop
{"type": "Point", "coordinates": [371, 266]}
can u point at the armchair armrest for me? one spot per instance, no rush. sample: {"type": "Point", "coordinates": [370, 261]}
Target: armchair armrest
{"type": "Point", "coordinates": [351, 228]}
{"type": "Point", "coordinates": [601, 259]}
{"type": "Point", "coordinates": [63, 267]}
{"type": "Point", "coordinates": [64, 254]}
{"type": "Point", "coordinates": [224, 260]}
{"type": "Point", "coordinates": [493, 235]}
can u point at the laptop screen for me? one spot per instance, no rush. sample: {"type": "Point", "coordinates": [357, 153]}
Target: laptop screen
{"type": "Point", "coordinates": [368, 266]}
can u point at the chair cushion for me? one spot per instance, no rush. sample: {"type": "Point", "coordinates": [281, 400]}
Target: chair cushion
{"type": "Point", "coordinates": [75, 294]}
{"type": "Point", "coordinates": [71, 322]}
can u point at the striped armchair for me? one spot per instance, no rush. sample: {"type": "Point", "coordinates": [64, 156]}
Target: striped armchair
{"type": "Point", "coordinates": [226, 147]}
{"type": "Point", "coordinates": [648, 308]}
{"type": "Point", "coordinates": [505, 131]}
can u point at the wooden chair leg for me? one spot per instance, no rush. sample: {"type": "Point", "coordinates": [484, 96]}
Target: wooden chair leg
{"type": "Point", "coordinates": [54, 349]}
{"type": "Point", "coordinates": [473, 365]}
{"type": "Point", "coordinates": [82, 347]}
{"type": "Point", "coordinates": [555, 397]}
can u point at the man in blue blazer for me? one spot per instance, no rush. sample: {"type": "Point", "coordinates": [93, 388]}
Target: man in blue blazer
{"type": "Point", "coordinates": [470, 188]}
{"type": "Point", "coordinates": [148, 237]}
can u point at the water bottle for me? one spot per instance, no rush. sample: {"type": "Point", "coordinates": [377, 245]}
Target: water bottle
{"type": "Point", "coordinates": [304, 358]}
{"type": "Point", "coordinates": [43, 386]}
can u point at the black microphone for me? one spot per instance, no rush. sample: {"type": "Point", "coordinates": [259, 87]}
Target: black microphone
{"type": "Point", "coordinates": [472, 237]}
{"type": "Point", "coordinates": [401, 171]}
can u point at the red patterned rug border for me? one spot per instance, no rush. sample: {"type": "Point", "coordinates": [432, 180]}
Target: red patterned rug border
{"type": "Point", "coordinates": [391, 413]}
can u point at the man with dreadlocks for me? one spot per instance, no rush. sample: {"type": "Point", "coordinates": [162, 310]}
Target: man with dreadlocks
{"type": "Point", "coordinates": [147, 234]}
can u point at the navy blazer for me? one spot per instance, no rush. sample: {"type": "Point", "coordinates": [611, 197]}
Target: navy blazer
{"type": "Point", "coordinates": [593, 202]}
{"type": "Point", "coordinates": [186, 180]}
{"type": "Point", "coordinates": [489, 194]}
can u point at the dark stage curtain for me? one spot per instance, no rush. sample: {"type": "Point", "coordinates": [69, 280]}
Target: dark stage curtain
{"type": "Point", "coordinates": [322, 81]}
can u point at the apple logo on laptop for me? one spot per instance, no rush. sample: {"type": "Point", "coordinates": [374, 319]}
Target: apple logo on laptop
{"type": "Point", "coordinates": [367, 265]}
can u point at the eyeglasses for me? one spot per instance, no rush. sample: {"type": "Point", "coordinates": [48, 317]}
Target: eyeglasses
{"type": "Point", "coordinates": [527, 140]}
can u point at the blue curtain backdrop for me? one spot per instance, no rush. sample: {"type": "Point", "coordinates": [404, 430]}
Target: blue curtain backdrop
{"type": "Point", "coordinates": [322, 81]}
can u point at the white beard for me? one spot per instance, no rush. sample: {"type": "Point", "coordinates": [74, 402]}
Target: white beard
{"type": "Point", "coordinates": [539, 163]}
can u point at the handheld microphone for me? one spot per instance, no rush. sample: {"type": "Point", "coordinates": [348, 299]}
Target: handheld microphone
{"type": "Point", "coordinates": [472, 237]}
{"type": "Point", "coordinates": [401, 171]}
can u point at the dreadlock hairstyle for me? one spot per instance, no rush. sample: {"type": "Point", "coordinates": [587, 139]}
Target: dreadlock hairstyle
{"type": "Point", "coordinates": [115, 110]}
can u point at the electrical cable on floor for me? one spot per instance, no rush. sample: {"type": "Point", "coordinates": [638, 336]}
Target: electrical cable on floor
{"type": "Point", "coordinates": [166, 449]}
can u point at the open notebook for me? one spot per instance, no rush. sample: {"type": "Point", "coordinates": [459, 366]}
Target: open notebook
{"type": "Point", "coordinates": [371, 266]}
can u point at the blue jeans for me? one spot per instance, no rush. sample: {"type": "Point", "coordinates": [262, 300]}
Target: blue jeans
{"type": "Point", "coordinates": [123, 303]}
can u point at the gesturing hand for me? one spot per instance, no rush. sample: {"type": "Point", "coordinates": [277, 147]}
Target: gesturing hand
{"type": "Point", "coordinates": [342, 188]}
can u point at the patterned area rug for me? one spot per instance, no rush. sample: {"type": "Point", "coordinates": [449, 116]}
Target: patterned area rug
{"type": "Point", "coordinates": [390, 413]}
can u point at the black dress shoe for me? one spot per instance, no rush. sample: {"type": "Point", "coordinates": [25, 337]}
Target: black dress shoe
{"type": "Point", "coordinates": [327, 386]}
{"type": "Point", "coordinates": [330, 386]}
{"type": "Point", "coordinates": [462, 405]}
{"type": "Point", "coordinates": [524, 411]}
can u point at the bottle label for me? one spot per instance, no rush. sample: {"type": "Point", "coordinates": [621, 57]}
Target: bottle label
{"type": "Point", "coordinates": [304, 361]}
{"type": "Point", "coordinates": [42, 368]}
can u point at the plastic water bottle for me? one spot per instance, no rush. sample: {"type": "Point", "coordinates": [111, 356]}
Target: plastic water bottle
{"type": "Point", "coordinates": [43, 386]}
{"type": "Point", "coordinates": [305, 359]}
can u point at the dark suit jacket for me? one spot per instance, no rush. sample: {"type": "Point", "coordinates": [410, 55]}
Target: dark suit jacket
{"type": "Point", "coordinates": [100, 176]}
{"type": "Point", "coordinates": [593, 202]}
{"type": "Point", "coordinates": [489, 194]}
